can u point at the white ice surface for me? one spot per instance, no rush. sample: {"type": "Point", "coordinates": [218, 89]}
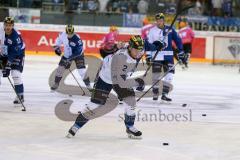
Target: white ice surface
{"type": "Point", "coordinates": [206, 89]}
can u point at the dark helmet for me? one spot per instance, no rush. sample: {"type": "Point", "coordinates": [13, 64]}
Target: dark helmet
{"type": "Point", "coordinates": [69, 29]}
{"type": "Point", "coordinates": [136, 42]}
{"type": "Point", "coordinates": [159, 16]}
{"type": "Point", "coordinates": [9, 20]}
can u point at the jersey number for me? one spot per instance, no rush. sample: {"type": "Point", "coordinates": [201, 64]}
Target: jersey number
{"type": "Point", "coordinates": [124, 68]}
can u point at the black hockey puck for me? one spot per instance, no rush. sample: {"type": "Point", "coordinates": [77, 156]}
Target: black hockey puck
{"type": "Point", "coordinates": [204, 115]}
{"type": "Point", "coordinates": [165, 144]}
{"type": "Point", "coordinates": [65, 103]}
{"type": "Point", "coordinates": [184, 105]}
{"type": "Point", "coordinates": [70, 95]}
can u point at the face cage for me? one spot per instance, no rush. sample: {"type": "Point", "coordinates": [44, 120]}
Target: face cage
{"type": "Point", "coordinates": [140, 53]}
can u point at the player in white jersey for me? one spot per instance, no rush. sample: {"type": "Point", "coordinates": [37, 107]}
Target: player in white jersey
{"type": "Point", "coordinates": [2, 47]}
{"type": "Point", "coordinates": [73, 51]}
{"type": "Point", "coordinates": [114, 75]}
{"type": "Point", "coordinates": [164, 59]}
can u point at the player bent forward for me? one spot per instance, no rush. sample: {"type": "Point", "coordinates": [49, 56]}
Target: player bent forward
{"type": "Point", "coordinates": [113, 75]}
{"type": "Point", "coordinates": [73, 51]}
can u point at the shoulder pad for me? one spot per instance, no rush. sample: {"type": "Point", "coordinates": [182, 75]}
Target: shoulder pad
{"type": "Point", "coordinates": [61, 33]}
{"type": "Point", "coordinates": [18, 32]}
{"type": "Point", "coordinates": [77, 35]}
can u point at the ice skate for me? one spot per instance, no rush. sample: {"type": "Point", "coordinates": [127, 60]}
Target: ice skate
{"type": "Point", "coordinates": [87, 82]}
{"type": "Point", "coordinates": [155, 97]}
{"type": "Point", "coordinates": [55, 87]}
{"type": "Point", "coordinates": [133, 133]}
{"type": "Point", "coordinates": [72, 131]}
{"type": "Point", "coordinates": [17, 100]}
{"type": "Point", "coordinates": [164, 98]}
{"type": "Point", "coordinates": [155, 94]}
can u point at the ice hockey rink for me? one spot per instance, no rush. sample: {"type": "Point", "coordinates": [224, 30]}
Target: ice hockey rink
{"type": "Point", "coordinates": [206, 89]}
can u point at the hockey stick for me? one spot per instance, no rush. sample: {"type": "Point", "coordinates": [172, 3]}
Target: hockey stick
{"type": "Point", "coordinates": [179, 11]}
{"type": "Point", "coordinates": [136, 65]}
{"type": "Point", "coordinates": [77, 81]}
{"type": "Point", "coordinates": [157, 81]}
{"type": "Point", "coordinates": [23, 106]}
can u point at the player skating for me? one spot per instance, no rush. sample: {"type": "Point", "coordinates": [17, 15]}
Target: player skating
{"type": "Point", "coordinates": [73, 51]}
{"type": "Point", "coordinates": [114, 75]}
{"type": "Point", "coordinates": [164, 59]}
{"type": "Point", "coordinates": [12, 61]}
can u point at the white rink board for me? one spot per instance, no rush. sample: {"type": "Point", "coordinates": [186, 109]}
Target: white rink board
{"type": "Point", "coordinates": [227, 48]}
{"type": "Point", "coordinates": [38, 134]}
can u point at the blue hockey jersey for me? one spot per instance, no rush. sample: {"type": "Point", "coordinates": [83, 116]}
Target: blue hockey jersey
{"type": "Point", "coordinates": [15, 45]}
{"type": "Point", "coordinates": [173, 37]}
{"type": "Point", "coordinates": [72, 46]}
{"type": "Point", "coordinates": [157, 34]}
{"type": "Point", "coordinates": [76, 45]}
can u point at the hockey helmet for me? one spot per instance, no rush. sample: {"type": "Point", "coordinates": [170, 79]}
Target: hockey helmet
{"type": "Point", "coordinates": [69, 29]}
{"type": "Point", "coordinates": [136, 42]}
{"type": "Point", "coordinates": [9, 20]}
{"type": "Point", "coordinates": [159, 16]}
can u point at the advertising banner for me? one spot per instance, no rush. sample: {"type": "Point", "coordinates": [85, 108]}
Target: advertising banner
{"type": "Point", "coordinates": [226, 49]}
{"type": "Point", "coordinates": [201, 23]}
{"type": "Point", "coordinates": [43, 41]}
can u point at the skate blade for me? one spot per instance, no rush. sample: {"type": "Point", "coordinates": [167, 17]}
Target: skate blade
{"type": "Point", "coordinates": [17, 105]}
{"type": "Point", "coordinates": [130, 136]}
{"type": "Point", "coordinates": [52, 91]}
{"type": "Point", "coordinates": [69, 136]}
{"type": "Point", "coordinates": [165, 102]}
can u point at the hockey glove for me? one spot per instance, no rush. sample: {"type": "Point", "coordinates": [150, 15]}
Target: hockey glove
{"type": "Point", "coordinates": [6, 70]}
{"type": "Point", "coordinates": [57, 50]}
{"type": "Point", "coordinates": [182, 57]}
{"type": "Point", "coordinates": [141, 84]}
{"type": "Point", "coordinates": [159, 45]}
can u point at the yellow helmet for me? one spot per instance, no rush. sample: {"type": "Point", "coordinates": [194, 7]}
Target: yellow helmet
{"type": "Point", "coordinates": [9, 20]}
{"type": "Point", "coordinates": [69, 29]}
{"type": "Point", "coordinates": [159, 16]}
{"type": "Point", "coordinates": [113, 28]}
{"type": "Point", "coordinates": [136, 42]}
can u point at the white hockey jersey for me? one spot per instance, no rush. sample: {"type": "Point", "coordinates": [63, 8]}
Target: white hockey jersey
{"type": "Point", "coordinates": [62, 39]}
{"type": "Point", "coordinates": [116, 69]}
{"type": "Point", "coordinates": [2, 35]}
{"type": "Point", "coordinates": [157, 34]}
{"type": "Point", "coordinates": [3, 48]}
